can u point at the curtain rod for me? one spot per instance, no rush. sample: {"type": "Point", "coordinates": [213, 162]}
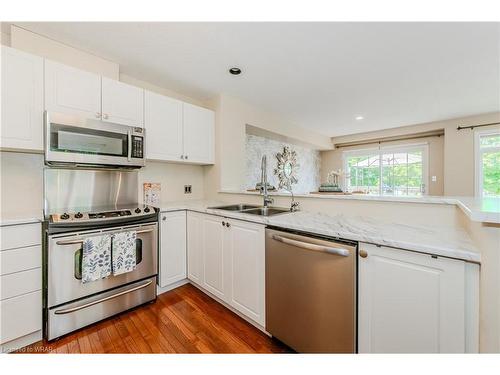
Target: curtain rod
{"type": "Point", "coordinates": [477, 126]}
{"type": "Point", "coordinates": [438, 133]}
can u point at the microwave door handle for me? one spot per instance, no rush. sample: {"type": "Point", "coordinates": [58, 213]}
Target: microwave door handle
{"type": "Point", "coordinates": [129, 143]}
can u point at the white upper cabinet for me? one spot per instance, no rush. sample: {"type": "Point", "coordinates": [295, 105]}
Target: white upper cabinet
{"type": "Point", "coordinates": [199, 129]}
{"type": "Point", "coordinates": [410, 302]}
{"type": "Point", "coordinates": [177, 131]}
{"type": "Point", "coordinates": [73, 91]}
{"type": "Point", "coordinates": [163, 123]}
{"type": "Point", "coordinates": [22, 100]}
{"type": "Point", "coordinates": [172, 247]}
{"type": "Point", "coordinates": [122, 103]}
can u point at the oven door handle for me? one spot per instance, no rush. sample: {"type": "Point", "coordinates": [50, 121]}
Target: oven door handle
{"type": "Point", "coordinates": [75, 242]}
{"type": "Point", "coordinates": [76, 308]}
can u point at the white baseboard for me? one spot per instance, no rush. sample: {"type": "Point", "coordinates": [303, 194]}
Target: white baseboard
{"type": "Point", "coordinates": [21, 342]}
{"type": "Point", "coordinates": [160, 290]}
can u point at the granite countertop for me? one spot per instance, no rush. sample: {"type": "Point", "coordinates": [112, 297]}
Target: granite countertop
{"type": "Point", "coordinates": [477, 209]}
{"type": "Point", "coordinates": [16, 218]}
{"type": "Point", "coordinates": [444, 241]}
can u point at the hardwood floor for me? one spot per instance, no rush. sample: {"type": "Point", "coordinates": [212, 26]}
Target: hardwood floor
{"type": "Point", "coordinates": [183, 320]}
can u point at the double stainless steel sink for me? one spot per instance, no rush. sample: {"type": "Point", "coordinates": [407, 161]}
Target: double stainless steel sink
{"type": "Point", "coordinates": [253, 209]}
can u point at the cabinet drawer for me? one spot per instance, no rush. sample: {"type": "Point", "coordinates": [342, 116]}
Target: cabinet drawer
{"type": "Point", "coordinates": [14, 236]}
{"type": "Point", "coordinates": [20, 316]}
{"type": "Point", "coordinates": [17, 260]}
{"type": "Point", "coordinates": [19, 283]}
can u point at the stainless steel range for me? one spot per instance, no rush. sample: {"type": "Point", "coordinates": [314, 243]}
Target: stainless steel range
{"type": "Point", "coordinates": [75, 210]}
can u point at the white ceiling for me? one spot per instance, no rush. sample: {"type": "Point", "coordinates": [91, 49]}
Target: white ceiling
{"type": "Point", "coordinates": [317, 75]}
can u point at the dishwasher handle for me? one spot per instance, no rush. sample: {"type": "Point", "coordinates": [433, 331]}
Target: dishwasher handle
{"type": "Point", "coordinates": [312, 247]}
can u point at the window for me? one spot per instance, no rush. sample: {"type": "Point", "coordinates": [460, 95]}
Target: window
{"type": "Point", "coordinates": [399, 171]}
{"type": "Point", "coordinates": [487, 145]}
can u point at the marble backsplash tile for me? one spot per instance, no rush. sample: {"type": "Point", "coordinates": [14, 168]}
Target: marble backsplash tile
{"type": "Point", "coordinates": [308, 159]}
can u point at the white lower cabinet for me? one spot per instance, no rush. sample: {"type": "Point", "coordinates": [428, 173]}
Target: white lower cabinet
{"type": "Point", "coordinates": [414, 303]}
{"type": "Point", "coordinates": [20, 285]}
{"type": "Point", "coordinates": [214, 255]}
{"type": "Point", "coordinates": [246, 269]}
{"type": "Point", "coordinates": [226, 257]}
{"type": "Point", "coordinates": [172, 247]}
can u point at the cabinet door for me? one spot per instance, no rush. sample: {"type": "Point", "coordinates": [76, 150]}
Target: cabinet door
{"type": "Point", "coordinates": [22, 100]}
{"type": "Point", "coordinates": [199, 128]}
{"type": "Point", "coordinates": [72, 91]}
{"type": "Point", "coordinates": [246, 273]}
{"type": "Point", "coordinates": [122, 103]}
{"type": "Point", "coordinates": [163, 123]}
{"type": "Point", "coordinates": [172, 247]}
{"type": "Point", "coordinates": [194, 247]}
{"type": "Point", "coordinates": [214, 255]}
{"type": "Point", "coordinates": [410, 302]}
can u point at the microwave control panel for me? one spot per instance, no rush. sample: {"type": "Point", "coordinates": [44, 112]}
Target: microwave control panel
{"type": "Point", "coordinates": [137, 147]}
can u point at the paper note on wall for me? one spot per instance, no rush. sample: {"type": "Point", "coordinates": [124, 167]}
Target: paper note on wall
{"type": "Point", "coordinates": [152, 191]}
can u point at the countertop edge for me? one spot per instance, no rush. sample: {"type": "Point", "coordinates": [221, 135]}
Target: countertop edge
{"type": "Point", "coordinates": [468, 256]}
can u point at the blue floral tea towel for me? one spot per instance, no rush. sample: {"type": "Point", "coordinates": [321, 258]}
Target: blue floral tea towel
{"type": "Point", "coordinates": [96, 260]}
{"type": "Point", "coordinates": [124, 258]}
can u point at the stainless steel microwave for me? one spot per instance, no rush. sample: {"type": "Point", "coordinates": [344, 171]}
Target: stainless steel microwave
{"type": "Point", "coordinates": [76, 141]}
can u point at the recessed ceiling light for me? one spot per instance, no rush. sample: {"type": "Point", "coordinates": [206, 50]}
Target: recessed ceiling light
{"type": "Point", "coordinates": [235, 71]}
{"type": "Point", "coordinates": [359, 118]}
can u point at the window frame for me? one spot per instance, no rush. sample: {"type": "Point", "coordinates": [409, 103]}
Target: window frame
{"type": "Point", "coordinates": [380, 150]}
{"type": "Point", "coordinates": [478, 158]}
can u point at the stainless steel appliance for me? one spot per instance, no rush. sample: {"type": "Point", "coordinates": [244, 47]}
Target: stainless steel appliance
{"type": "Point", "coordinates": [82, 142]}
{"type": "Point", "coordinates": [83, 203]}
{"type": "Point", "coordinates": [311, 292]}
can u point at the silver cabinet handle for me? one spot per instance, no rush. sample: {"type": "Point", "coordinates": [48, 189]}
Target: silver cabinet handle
{"type": "Point", "coordinates": [74, 242]}
{"type": "Point", "coordinates": [73, 309]}
{"type": "Point", "coordinates": [313, 247]}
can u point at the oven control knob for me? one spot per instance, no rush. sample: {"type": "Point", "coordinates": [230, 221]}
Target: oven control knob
{"type": "Point", "coordinates": [137, 210]}
{"type": "Point", "coordinates": [147, 209]}
{"type": "Point", "coordinates": [64, 216]}
{"type": "Point", "coordinates": [78, 215]}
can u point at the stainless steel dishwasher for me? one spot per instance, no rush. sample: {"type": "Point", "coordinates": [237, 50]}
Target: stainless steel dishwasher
{"type": "Point", "coordinates": [311, 292]}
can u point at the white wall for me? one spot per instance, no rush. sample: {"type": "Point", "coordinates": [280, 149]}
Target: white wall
{"type": "Point", "coordinates": [232, 117]}
{"type": "Point", "coordinates": [487, 238]}
{"type": "Point", "coordinates": [51, 49]}
{"type": "Point", "coordinates": [21, 182]}
{"type": "Point", "coordinates": [173, 177]}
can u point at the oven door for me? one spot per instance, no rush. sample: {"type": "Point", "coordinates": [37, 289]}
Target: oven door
{"type": "Point", "coordinates": [78, 140]}
{"type": "Point", "coordinates": [64, 263]}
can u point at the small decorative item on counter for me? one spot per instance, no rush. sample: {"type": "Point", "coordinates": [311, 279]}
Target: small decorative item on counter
{"type": "Point", "coordinates": [333, 182]}
{"type": "Point", "coordinates": [152, 191]}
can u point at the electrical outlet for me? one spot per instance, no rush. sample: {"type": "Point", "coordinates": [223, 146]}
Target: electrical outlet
{"type": "Point", "coordinates": [187, 189]}
{"type": "Point", "coordinates": [434, 178]}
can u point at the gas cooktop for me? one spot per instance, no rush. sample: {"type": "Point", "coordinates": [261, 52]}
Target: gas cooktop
{"type": "Point", "coordinates": [77, 217]}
